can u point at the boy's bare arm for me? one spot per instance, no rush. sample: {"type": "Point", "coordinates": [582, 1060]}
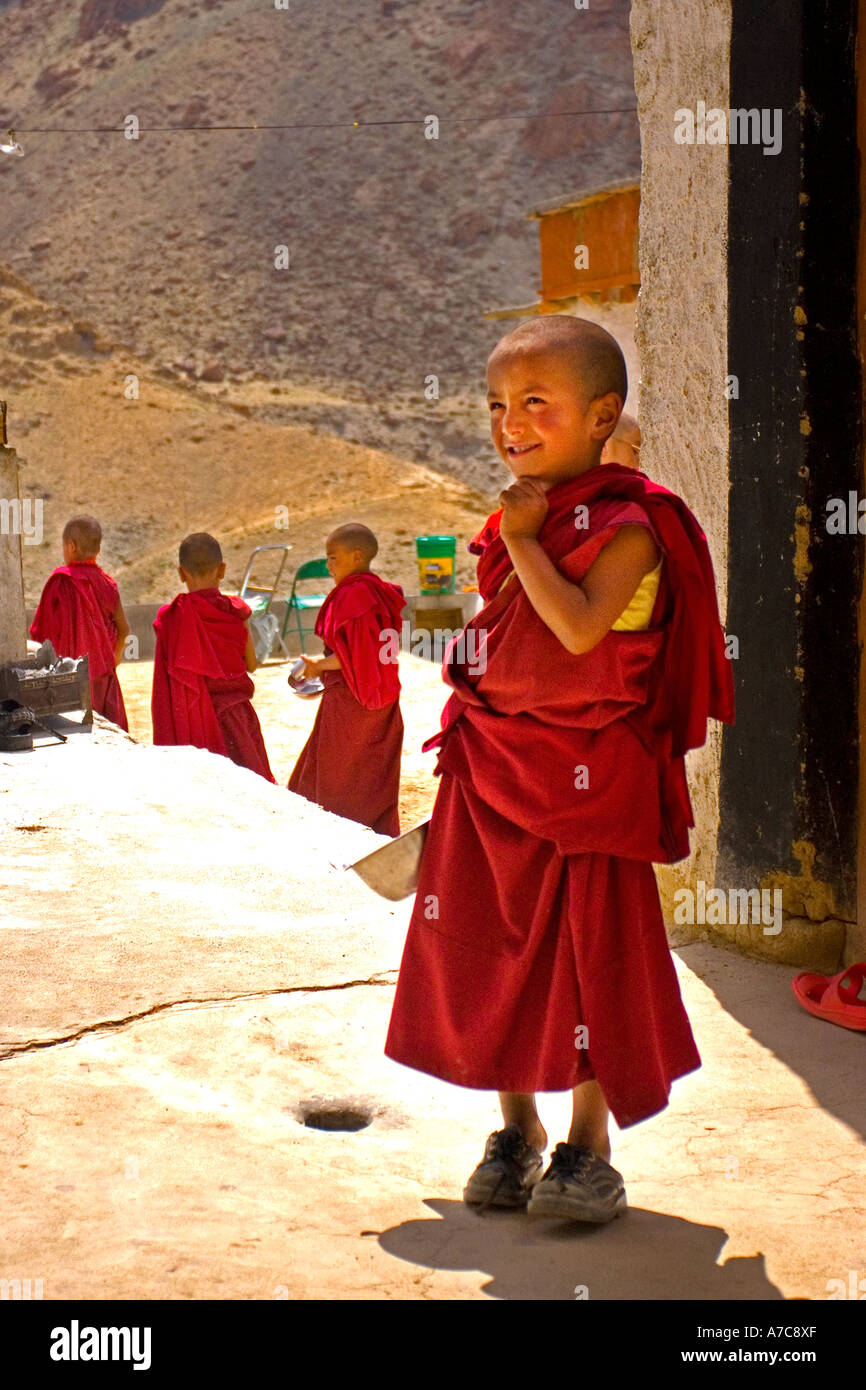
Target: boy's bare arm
{"type": "Point", "coordinates": [250, 652]}
{"type": "Point", "coordinates": [580, 615]}
{"type": "Point", "coordinates": [314, 664]}
{"type": "Point", "coordinates": [123, 631]}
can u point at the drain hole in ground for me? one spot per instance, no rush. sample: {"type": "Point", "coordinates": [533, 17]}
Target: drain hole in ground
{"type": "Point", "coordinates": [348, 1118]}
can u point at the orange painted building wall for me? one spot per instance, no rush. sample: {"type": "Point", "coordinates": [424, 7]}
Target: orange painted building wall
{"type": "Point", "coordinates": [608, 228]}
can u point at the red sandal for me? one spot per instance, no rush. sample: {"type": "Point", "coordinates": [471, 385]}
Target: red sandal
{"type": "Point", "coordinates": [834, 998]}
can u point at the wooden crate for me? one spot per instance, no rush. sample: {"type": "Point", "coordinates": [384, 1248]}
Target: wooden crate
{"type": "Point", "coordinates": [46, 692]}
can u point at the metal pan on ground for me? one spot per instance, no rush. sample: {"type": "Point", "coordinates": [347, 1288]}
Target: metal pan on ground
{"type": "Point", "coordinates": [392, 870]}
{"type": "Point", "coordinates": [307, 687]}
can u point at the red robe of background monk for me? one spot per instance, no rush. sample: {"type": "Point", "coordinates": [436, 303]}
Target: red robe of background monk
{"type": "Point", "coordinates": [81, 614]}
{"type": "Point", "coordinates": [201, 686]}
{"type": "Point", "coordinates": [351, 762]}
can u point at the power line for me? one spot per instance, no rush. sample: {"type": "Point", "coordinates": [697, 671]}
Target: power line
{"type": "Point", "coordinates": [326, 125]}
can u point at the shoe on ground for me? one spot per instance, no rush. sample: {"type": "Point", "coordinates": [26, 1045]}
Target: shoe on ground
{"type": "Point", "coordinates": [579, 1186]}
{"type": "Point", "coordinates": [506, 1174]}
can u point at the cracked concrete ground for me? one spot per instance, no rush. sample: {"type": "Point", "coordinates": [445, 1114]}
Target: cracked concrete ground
{"type": "Point", "coordinates": [183, 973]}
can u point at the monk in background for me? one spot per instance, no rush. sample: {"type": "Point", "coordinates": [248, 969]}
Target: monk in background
{"type": "Point", "coordinates": [204, 653]}
{"type": "Point", "coordinates": [623, 446]}
{"type": "Point", "coordinates": [81, 614]}
{"type": "Point", "coordinates": [351, 762]}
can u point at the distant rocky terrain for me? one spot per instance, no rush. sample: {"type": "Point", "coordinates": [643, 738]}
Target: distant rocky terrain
{"type": "Point", "coordinates": [159, 253]}
{"type": "Point", "coordinates": [98, 430]}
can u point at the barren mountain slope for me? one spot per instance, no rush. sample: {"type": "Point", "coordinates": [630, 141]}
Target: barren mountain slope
{"type": "Point", "coordinates": [396, 243]}
{"type": "Point", "coordinates": [181, 458]}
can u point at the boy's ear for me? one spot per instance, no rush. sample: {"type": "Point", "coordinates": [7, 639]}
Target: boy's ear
{"type": "Point", "coordinates": [221, 570]}
{"type": "Point", "coordinates": [606, 411]}
{"type": "Point", "coordinates": [181, 575]}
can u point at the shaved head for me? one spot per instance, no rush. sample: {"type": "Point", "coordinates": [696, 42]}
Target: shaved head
{"type": "Point", "coordinates": [85, 533]}
{"type": "Point", "coordinates": [594, 354]}
{"type": "Point", "coordinates": [199, 553]}
{"type": "Point", "coordinates": [354, 536]}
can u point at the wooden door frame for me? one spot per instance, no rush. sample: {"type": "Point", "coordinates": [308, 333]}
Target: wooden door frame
{"type": "Point", "coordinates": [856, 948]}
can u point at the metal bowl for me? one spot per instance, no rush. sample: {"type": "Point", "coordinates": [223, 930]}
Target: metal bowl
{"type": "Point", "coordinates": [305, 686]}
{"type": "Point", "coordinates": [392, 870]}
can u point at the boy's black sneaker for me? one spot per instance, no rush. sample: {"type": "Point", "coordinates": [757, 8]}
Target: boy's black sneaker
{"type": "Point", "coordinates": [579, 1186]}
{"type": "Point", "coordinates": [506, 1174]}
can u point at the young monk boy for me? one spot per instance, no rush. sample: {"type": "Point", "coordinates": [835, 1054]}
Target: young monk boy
{"type": "Point", "coordinates": [536, 957]}
{"type": "Point", "coordinates": [80, 612]}
{"type": "Point", "coordinates": [351, 762]}
{"type": "Point", "coordinates": [201, 686]}
{"type": "Point", "coordinates": [623, 446]}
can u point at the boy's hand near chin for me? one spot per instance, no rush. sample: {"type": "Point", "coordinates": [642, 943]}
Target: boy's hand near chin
{"type": "Point", "coordinates": [524, 508]}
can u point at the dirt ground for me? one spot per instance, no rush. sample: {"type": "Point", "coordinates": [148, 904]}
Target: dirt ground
{"type": "Point", "coordinates": [173, 462]}
{"type": "Point", "coordinates": [187, 975]}
{"type": "Point", "coordinates": [286, 722]}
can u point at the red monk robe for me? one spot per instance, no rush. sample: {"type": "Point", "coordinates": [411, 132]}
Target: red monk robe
{"type": "Point", "coordinates": [76, 613]}
{"type": "Point", "coordinates": [201, 689]}
{"type": "Point", "coordinates": [537, 911]}
{"type": "Point", "coordinates": [351, 762]}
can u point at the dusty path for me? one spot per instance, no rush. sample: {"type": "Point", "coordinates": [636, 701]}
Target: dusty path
{"type": "Point", "coordinates": [183, 976]}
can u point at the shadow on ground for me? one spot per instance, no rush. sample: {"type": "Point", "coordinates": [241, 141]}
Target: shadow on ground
{"type": "Point", "coordinates": [643, 1255]}
{"type": "Point", "coordinates": [758, 995]}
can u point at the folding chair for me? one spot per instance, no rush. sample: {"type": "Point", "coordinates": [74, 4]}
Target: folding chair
{"type": "Point", "coordinates": [298, 604]}
{"type": "Point", "coordinates": [259, 599]}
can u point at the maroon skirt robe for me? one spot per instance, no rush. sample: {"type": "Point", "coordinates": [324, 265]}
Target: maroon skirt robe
{"type": "Point", "coordinates": [201, 688]}
{"type": "Point", "coordinates": [350, 764]}
{"type": "Point", "coordinates": [76, 613]}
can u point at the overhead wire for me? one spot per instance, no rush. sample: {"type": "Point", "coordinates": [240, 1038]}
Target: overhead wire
{"type": "Point", "coordinates": [478, 119]}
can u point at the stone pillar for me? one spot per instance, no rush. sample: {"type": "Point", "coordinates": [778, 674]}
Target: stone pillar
{"type": "Point", "coordinates": [680, 57]}
{"type": "Point", "coordinates": [13, 631]}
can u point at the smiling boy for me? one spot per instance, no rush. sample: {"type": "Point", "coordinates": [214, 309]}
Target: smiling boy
{"type": "Point", "coordinates": [536, 957]}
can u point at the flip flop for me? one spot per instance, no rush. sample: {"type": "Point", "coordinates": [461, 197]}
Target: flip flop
{"type": "Point", "coordinates": [834, 998]}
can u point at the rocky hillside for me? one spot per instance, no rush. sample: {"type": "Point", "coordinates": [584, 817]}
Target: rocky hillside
{"type": "Point", "coordinates": [98, 430]}
{"type": "Point", "coordinates": [395, 243]}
